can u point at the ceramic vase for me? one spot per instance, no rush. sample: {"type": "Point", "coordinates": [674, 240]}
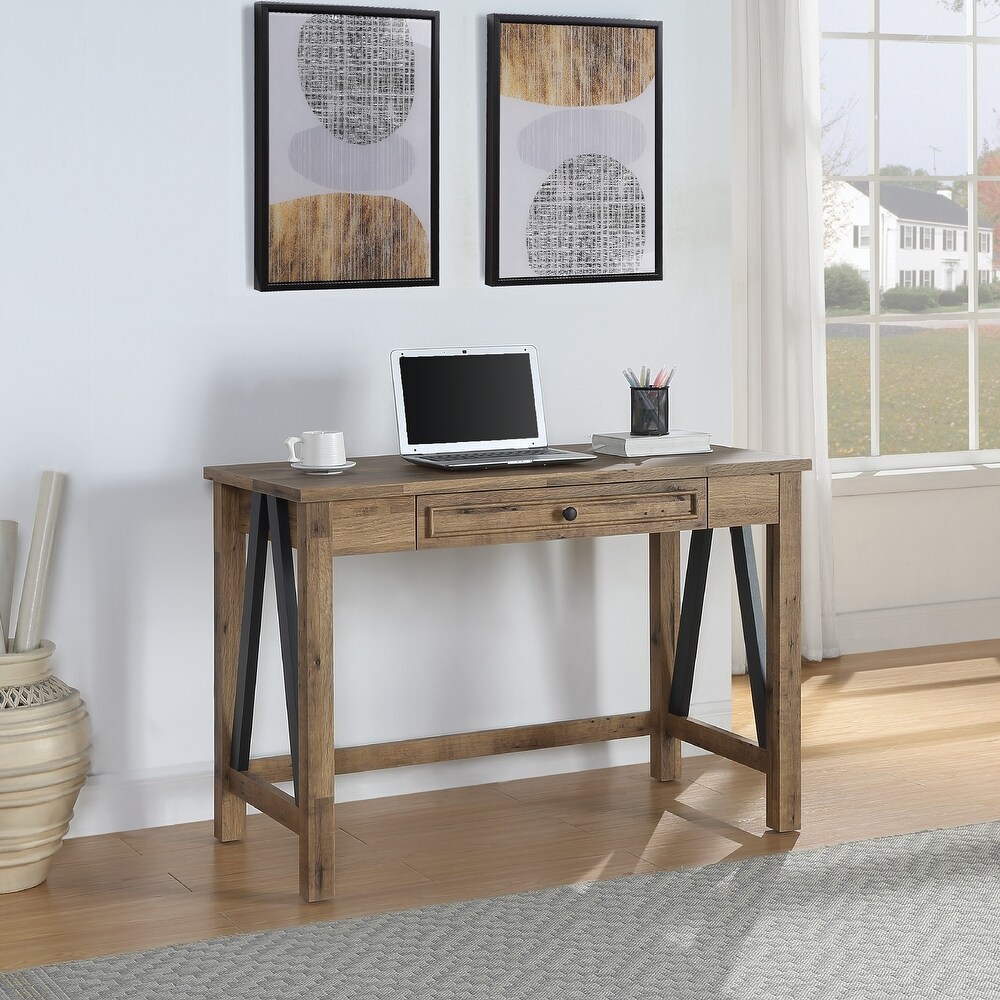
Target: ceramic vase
{"type": "Point", "coordinates": [44, 759]}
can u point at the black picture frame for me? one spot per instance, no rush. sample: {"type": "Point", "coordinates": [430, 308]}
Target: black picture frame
{"type": "Point", "coordinates": [569, 185]}
{"type": "Point", "coordinates": [345, 176]}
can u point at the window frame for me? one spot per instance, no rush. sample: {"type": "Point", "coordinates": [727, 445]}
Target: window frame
{"type": "Point", "coordinates": [908, 239]}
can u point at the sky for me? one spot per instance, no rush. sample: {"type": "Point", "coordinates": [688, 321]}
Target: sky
{"type": "Point", "coordinates": [924, 119]}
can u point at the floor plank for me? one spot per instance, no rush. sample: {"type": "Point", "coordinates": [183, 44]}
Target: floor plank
{"type": "Point", "coordinates": [892, 743]}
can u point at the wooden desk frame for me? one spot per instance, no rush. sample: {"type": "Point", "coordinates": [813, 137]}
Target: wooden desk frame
{"type": "Point", "coordinates": [388, 505]}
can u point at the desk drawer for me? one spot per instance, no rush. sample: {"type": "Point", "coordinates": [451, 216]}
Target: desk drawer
{"type": "Point", "coordinates": [490, 518]}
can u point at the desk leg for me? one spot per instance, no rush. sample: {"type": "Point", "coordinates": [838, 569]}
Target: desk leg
{"type": "Point", "coordinates": [784, 658]}
{"type": "Point", "coordinates": [315, 694]}
{"type": "Point", "coordinates": [230, 567]}
{"type": "Point", "coordinates": [664, 619]}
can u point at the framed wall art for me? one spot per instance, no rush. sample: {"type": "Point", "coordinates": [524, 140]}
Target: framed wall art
{"type": "Point", "coordinates": [346, 146]}
{"type": "Point", "coordinates": [573, 150]}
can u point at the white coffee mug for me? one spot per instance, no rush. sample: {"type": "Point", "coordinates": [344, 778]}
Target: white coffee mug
{"type": "Point", "coordinates": [318, 449]}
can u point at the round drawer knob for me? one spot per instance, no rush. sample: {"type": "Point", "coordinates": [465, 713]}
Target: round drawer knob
{"type": "Point", "coordinates": [569, 513]}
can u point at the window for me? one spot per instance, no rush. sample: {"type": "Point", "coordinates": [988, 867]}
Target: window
{"type": "Point", "coordinates": [913, 314]}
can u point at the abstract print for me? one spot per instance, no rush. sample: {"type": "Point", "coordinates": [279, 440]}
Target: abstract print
{"type": "Point", "coordinates": [574, 171]}
{"type": "Point", "coordinates": [351, 110]}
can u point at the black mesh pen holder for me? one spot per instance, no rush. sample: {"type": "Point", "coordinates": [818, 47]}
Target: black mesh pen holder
{"type": "Point", "coordinates": [650, 411]}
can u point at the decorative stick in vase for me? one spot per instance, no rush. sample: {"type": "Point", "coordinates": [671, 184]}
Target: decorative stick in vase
{"type": "Point", "coordinates": [8, 554]}
{"type": "Point", "coordinates": [36, 574]}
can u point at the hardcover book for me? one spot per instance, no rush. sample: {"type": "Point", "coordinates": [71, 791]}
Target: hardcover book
{"type": "Point", "coordinates": [677, 442]}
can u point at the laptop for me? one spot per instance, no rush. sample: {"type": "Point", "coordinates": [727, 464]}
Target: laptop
{"type": "Point", "coordinates": [472, 408]}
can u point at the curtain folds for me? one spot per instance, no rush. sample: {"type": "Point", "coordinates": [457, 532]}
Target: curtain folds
{"type": "Point", "coordinates": [779, 350]}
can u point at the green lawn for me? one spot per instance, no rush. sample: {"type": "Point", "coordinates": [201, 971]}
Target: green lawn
{"type": "Point", "coordinates": [924, 389]}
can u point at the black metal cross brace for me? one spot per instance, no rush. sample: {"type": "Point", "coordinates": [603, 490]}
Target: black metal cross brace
{"type": "Point", "coordinates": [268, 517]}
{"type": "Point", "coordinates": [751, 612]}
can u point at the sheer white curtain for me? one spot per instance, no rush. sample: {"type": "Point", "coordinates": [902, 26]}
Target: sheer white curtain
{"type": "Point", "coordinates": [780, 362]}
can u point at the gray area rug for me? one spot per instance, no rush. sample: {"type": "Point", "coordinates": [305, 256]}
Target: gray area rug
{"type": "Point", "coordinates": [901, 917]}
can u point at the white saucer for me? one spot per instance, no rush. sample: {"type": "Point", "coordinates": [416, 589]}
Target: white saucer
{"type": "Point", "coordinates": [323, 470]}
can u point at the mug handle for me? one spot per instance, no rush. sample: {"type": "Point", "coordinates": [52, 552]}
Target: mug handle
{"type": "Point", "coordinates": [292, 442]}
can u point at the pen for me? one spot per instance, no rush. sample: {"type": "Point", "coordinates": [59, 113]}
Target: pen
{"type": "Point", "coordinates": [646, 380]}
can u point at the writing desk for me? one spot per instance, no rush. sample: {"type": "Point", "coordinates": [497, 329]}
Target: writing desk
{"type": "Point", "coordinates": [385, 505]}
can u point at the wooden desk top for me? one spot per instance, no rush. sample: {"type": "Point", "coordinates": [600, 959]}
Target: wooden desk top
{"type": "Point", "coordinates": [390, 475]}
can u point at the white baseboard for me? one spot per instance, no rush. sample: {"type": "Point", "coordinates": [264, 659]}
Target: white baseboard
{"type": "Point", "coordinates": [918, 625]}
{"type": "Point", "coordinates": [112, 803]}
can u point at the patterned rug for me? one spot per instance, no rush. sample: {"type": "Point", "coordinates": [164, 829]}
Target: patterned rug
{"type": "Point", "coordinates": [902, 917]}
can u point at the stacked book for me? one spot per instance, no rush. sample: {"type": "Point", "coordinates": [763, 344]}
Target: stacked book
{"type": "Point", "coordinates": [627, 445]}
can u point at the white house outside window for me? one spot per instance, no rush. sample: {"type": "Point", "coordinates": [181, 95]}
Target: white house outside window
{"type": "Point", "coordinates": [911, 145]}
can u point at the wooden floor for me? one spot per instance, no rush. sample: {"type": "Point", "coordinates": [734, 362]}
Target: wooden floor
{"type": "Point", "coordinates": [893, 743]}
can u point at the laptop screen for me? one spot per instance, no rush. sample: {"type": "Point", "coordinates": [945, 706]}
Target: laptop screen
{"type": "Point", "coordinates": [472, 398]}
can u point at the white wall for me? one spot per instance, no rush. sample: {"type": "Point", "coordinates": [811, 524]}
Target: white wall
{"type": "Point", "coordinates": [135, 352]}
{"type": "Point", "coordinates": [915, 558]}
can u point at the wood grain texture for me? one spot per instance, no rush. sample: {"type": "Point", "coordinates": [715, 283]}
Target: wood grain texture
{"type": "Point", "coordinates": [462, 746]}
{"type": "Point", "coordinates": [495, 517]}
{"type": "Point", "coordinates": [575, 65]}
{"type": "Point", "coordinates": [893, 742]}
{"type": "Point", "coordinates": [740, 500]}
{"type": "Point", "coordinates": [315, 754]}
{"type": "Point", "coordinates": [606, 498]}
{"type": "Point", "coordinates": [346, 237]}
{"type": "Point", "coordinates": [718, 741]}
{"type": "Point", "coordinates": [664, 621]}
{"type": "Point", "coordinates": [261, 794]}
{"type": "Point", "coordinates": [230, 563]}
{"type": "Point", "coordinates": [388, 475]}
{"type": "Point", "coordinates": [783, 619]}
{"type": "Point", "coordinates": [359, 526]}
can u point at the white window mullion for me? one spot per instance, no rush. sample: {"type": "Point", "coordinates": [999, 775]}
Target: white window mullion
{"type": "Point", "coordinates": [974, 383]}
{"type": "Point", "coordinates": [972, 103]}
{"type": "Point", "coordinates": [874, 205]}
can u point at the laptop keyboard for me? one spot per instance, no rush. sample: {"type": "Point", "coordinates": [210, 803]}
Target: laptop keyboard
{"type": "Point", "coordinates": [486, 455]}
